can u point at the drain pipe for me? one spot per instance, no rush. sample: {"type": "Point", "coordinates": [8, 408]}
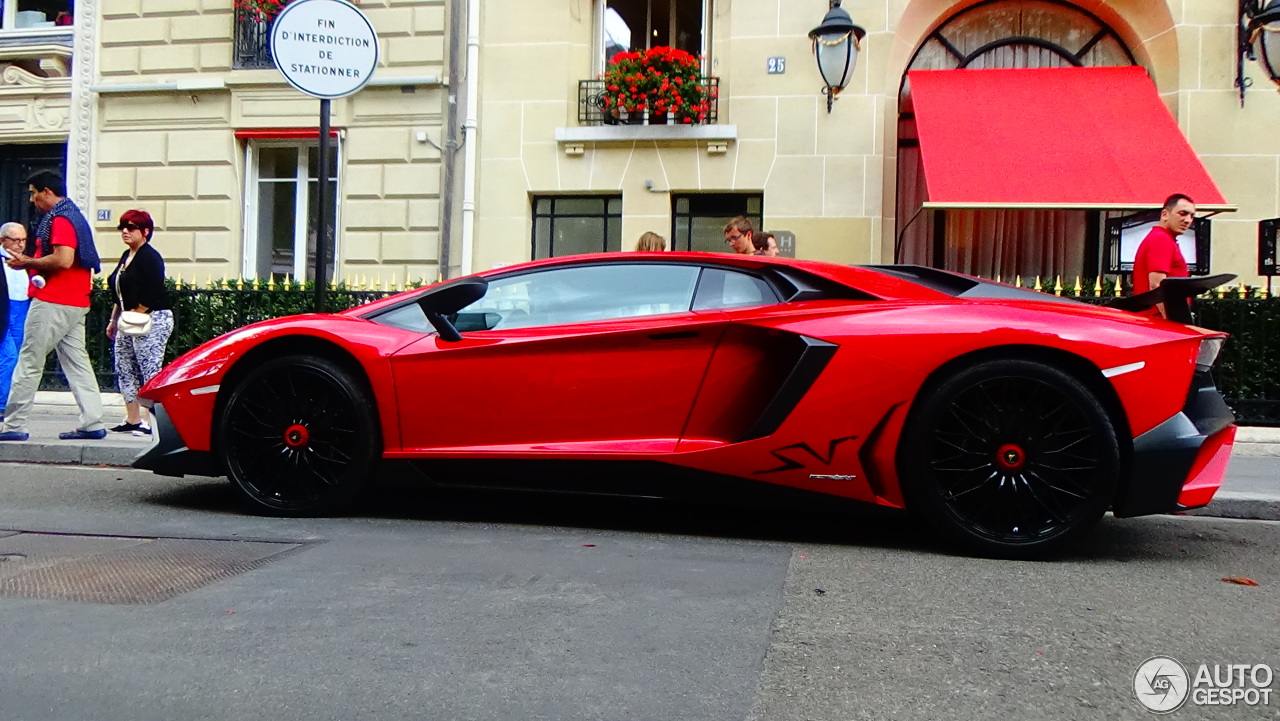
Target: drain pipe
{"type": "Point", "coordinates": [449, 185]}
{"type": "Point", "coordinates": [469, 137]}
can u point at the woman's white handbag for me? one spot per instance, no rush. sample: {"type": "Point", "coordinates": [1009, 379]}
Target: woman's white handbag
{"type": "Point", "coordinates": [131, 322]}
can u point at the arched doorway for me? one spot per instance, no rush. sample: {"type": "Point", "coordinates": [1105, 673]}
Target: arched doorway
{"type": "Point", "coordinates": [1005, 34]}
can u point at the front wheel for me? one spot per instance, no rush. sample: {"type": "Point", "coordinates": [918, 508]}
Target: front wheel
{"type": "Point", "coordinates": [1011, 458]}
{"type": "Point", "coordinates": [299, 436]}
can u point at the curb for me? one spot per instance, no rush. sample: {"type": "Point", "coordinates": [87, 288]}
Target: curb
{"type": "Point", "coordinates": [1250, 506]}
{"type": "Point", "coordinates": [1226, 504]}
{"type": "Point", "coordinates": [68, 453]}
{"type": "Point", "coordinates": [1256, 449]}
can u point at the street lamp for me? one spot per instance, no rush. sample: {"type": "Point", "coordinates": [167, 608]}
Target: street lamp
{"type": "Point", "coordinates": [1258, 38]}
{"type": "Point", "coordinates": [835, 46]}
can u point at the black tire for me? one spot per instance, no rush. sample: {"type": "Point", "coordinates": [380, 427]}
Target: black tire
{"type": "Point", "coordinates": [299, 436]}
{"type": "Point", "coordinates": [1010, 458]}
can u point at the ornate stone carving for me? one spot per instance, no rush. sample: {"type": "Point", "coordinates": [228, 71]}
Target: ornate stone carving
{"type": "Point", "coordinates": [54, 66]}
{"type": "Point", "coordinates": [83, 105]}
{"type": "Point", "coordinates": [49, 117]}
{"type": "Point", "coordinates": [13, 75]}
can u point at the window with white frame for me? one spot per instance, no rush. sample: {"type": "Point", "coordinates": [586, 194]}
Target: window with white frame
{"type": "Point", "coordinates": [281, 189]}
{"type": "Point", "coordinates": [630, 25]}
{"type": "Point", "coordinates": [36, 14]}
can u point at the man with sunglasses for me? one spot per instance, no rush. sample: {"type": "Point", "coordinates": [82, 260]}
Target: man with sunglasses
{"type": "Point", "coordinates": [67, 259]}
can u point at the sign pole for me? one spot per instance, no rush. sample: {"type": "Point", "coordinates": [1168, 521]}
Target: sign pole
{"type": "Point", "coordinates": [327, 49]}
{"type": "Point", "coordinates": [324, 220]}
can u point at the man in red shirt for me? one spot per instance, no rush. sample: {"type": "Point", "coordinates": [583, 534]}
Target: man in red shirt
{"type": "Point", "coordinates": [67, 259]}
{"type": "Point", "coordinates": [1158, 256]}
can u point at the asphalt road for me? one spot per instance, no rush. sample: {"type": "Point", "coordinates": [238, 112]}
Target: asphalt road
{"type": "Point", "coordinates": [486, 606]}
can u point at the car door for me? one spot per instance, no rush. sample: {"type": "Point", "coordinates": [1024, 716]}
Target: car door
{"type": "Point", "coordinates": [595, 357]}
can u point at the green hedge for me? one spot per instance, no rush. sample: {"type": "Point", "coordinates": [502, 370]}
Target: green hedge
{"type": "Point", "coordinates": [1248, 370]}
{"type": "Point", "coordinates": [201, 314]}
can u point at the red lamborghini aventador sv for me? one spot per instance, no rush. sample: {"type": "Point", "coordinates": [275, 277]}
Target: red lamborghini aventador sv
{"type": "Point", "coordinates": [1009, 420]}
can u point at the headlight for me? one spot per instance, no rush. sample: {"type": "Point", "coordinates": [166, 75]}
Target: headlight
{"type": "Point", "coordinates": [1209, 348]}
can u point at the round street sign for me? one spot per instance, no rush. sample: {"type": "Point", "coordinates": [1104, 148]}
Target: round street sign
{"type": "Point", "coordinates": [325, 48]}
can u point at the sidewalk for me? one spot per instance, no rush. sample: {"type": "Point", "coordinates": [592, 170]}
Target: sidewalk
{"type": "Point", "coordinates": [56, 412]}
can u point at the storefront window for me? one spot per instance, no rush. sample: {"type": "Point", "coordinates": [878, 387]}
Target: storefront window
{"type": "Point", "coordinates": [1001, 243]}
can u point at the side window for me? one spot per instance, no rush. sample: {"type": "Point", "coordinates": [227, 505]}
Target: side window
{"type": "Point", "coordinates": [720, 288]}
{"type": "Point", "coordinates": [585, 293]}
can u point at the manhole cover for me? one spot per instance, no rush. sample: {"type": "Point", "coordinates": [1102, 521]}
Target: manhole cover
{"type": "Point", "coordinates": [117, 569]}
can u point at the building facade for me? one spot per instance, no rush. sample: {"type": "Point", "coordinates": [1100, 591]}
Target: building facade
{"type": "Point", "coordinates": [195, 125]}
{"type": "Point", "coordinates": [173, 106]}
{"type": "Point", "coordinates": [555, 176]}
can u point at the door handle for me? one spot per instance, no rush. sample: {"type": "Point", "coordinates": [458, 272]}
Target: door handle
{"type": "Point", "coordinates": [676, 335]}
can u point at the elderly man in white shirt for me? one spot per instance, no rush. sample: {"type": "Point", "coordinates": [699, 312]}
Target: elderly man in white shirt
{"type": "Point", "coordinates": [13, 239]}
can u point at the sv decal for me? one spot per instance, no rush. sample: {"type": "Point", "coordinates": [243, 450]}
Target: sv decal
{"type": "Point", "coordinates": [791, 464]}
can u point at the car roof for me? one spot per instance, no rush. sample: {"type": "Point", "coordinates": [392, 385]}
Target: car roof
{"type": "Point", "coordinates": [868, 280]}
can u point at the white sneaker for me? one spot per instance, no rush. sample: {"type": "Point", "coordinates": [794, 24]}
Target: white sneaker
{"type": "Point", "coordinates": [143, 432]}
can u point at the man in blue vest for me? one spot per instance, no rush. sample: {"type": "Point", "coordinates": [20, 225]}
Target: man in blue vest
{"type": "Point", "coordinates": [66, 259]}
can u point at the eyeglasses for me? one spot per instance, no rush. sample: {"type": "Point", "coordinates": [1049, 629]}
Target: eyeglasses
{"type": "Point", "coordinates": [128, 226]}
{"type": "Point", "coordinates": [733, 238]}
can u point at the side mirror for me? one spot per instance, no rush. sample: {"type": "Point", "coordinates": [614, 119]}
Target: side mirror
{"type": "Point", "coordinates": [476, 321]}
{"type": "Point", "coordinates": [447, 300]}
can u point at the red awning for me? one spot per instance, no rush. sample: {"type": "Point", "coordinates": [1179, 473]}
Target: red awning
{"type": "Point", "coordinates": [1053, 138]}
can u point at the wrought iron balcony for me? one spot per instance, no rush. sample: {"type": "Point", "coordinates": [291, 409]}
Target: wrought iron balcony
{"type": "Point", "coordinates": [592, 106]}
{"type": "Point", "coordinates": [252, 44]}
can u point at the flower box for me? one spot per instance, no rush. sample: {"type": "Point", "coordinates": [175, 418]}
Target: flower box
{"type": "Point", "coordinates": [659, 86]}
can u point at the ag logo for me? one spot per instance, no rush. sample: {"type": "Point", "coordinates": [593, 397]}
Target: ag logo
{"type": "Point", "coordinates": [1161, 684]}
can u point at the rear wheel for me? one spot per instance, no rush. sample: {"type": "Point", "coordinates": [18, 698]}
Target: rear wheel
{"type": "Point", "coordinates": [299, 436]}
{"type": "Point", "coordinates": [1011, 458]}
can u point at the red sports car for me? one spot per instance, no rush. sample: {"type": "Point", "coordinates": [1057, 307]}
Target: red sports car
{"type": "Point", "coordinates": [1010, 420]}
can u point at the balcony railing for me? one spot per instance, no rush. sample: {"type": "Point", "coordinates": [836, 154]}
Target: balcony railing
{"type": "Point", "coordinates": [591, 105]}
{"type": "Point", "coordinates": [252, 44]}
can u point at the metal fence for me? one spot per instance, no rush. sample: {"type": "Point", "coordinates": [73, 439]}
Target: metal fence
{"type": "Point", "coordinates": [252, 44]}
{"type": "Point", "coordinates": [1248, 370]}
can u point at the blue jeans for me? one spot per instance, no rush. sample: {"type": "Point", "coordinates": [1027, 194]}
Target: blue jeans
{"type": "Point", "coordinates": [10, 344]}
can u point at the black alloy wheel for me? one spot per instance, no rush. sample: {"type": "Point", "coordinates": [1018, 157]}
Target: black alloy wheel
{"type": "Point", "coordinates": [299, 436]}
{"type": "Point", "coordinates": [1011, 458]}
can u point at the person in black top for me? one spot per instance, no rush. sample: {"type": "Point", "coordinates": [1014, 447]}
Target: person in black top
{"type": "Point", "coordinates": [138, 286]}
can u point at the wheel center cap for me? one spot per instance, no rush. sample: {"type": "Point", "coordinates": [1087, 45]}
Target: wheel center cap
{"type": "Point", "coordinates": [297, 436]}
{"type": "Point", "coordinates": [1011, 457]}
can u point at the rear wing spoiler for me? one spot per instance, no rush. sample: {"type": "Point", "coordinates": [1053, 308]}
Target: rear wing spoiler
{"type": "Point", "coordinates": [1174, 293]}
